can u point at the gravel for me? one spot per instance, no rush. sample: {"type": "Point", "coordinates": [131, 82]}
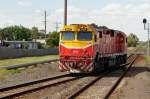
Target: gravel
{"type": "Point", "coordinates": [30, 73]}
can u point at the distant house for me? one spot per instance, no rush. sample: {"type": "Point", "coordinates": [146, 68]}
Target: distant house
{"type": "Point", "coordinates": [21, 44]}
{"type": "Point", "coordinates": [42, 41]}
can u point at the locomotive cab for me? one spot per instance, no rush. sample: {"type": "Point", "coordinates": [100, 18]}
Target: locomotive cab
{"type": "Point", "coordinates": [76, 48]}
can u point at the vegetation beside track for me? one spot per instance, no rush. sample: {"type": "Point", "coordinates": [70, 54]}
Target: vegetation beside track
{"type": "Point", "coordinates": [7, 62]}
{"type": "Point", "coordinates": [147, 60]}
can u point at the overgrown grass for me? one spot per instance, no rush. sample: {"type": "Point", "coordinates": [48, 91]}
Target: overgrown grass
{"type": "Point", "coordinates": [7, 62]}
{"type": "Point", "coordinates": [147, 60]}
{"type": "Point", "coordinates": [137, 49]}
{"type": "Point", "coordinates": [4, 72]}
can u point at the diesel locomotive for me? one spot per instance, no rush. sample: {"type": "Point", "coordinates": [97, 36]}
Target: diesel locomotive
{"type": "Point", "coordinates": [84, 49]}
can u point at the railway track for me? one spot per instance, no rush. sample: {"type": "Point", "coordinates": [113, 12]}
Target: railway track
{"type": "Point", "coordinates": [27, 87]}
{"type": "Point", "coordinates": [10, 91]}
{"type": "Point", "coordinates": [28, 64]}
{"type": "Point", "coordinates": [81, 90]}
{"type": "Point", "coordinates": [119, 79]}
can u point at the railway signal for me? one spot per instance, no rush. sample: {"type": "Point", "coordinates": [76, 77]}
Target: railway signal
{"type": "Point", "coordinates": [148, 30]}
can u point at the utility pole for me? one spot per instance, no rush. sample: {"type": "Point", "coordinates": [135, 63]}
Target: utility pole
{"type": "Point", "coordinates": [57, 26]}
{"type": "Point", "coordinates": [65, 12]}
{"type": "Point", "coordinates": [45, 23]}
{"type": "Point", "coordinates": [148, 31]}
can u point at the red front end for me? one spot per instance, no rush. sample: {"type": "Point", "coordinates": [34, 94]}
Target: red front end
{"type": "Point", "coordinates": [75, 59]}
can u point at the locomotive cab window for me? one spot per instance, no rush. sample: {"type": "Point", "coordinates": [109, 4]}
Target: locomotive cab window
{"type": "Point", "coordinates": [84, 36]}
{"type": "Point", "coordinates": [68, 35]}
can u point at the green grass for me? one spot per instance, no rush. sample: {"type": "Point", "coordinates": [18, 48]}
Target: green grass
{"type": "Point", "coordinates": [148, 60]}
{"type": "Point", "coordinates": [4, 71]}
{"type": "Point", "coordinates": [8, 62]}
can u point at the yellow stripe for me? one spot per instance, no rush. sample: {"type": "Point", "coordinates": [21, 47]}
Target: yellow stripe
{"type": "Point", "coordinates": [76, 44]}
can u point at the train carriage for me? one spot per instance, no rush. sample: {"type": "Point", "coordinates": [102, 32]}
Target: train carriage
{"type": "Point", "coordinates": [81, 47]}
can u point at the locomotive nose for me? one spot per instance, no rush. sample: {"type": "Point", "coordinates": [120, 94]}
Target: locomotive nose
{"type": "Point", "coordinates": [80, 52]}
{"type": "Point", "coordinates": [75, 51]}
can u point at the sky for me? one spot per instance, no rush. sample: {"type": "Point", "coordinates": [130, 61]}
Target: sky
{"type": "Point", "coordinates": [123, 15]}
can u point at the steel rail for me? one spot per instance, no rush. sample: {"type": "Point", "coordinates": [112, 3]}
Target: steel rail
{"type": "Point", "coordinates": [27, 64]}
{"type": "Point", "coordinates": [120, 79]}
{"type": "Point", "coordinates": [78, 92]}
{"type": "Point", "coordinates": [26, 83]}
{"type": "Point", "coordinates": [75, 94]}
{"type": "Point", "coordinates": [38, 88]}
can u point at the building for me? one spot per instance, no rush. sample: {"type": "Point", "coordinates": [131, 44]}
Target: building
{"type": "Point", "coordinates": [21, 44]}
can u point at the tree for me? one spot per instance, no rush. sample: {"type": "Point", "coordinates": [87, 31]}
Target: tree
{"type": "Point", "coordinates": [94, 25]}
{"type": "Point", "coordinates": [16, 33]}
{"type": "Point", "coordinates": [53, 39]}
{"type": "Point", "coordinates": [1, 36]}
{"type": "Point", "coordinates": [132, 40]}
{"type": "Point", "coordinates": [98, 27]}
{"type": "Point", "coordinates": [34, 33]}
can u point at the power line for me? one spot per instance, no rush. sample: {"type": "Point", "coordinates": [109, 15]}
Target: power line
{"type": "Point", "coordinates": [57, 26]}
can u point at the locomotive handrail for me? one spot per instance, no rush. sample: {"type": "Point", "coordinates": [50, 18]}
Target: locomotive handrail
{"type": "Point", "coordinates": [27, 64]}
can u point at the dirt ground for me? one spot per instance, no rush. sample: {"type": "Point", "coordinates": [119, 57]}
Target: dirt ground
{"type": "Point", "coordinates": [30, 73]}
{"type": "Point", "coordinates": [137, 85]}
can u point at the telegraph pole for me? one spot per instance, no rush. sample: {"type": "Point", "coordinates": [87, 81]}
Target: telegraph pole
{"type": "Point", "coordinates": [45, 24]}
{"type": "Point", "coordinates": [65, 12]}
{"type": "Point", "coordinates": [148, 28]}
{"type": "Point", "coordinates": [148, 31]}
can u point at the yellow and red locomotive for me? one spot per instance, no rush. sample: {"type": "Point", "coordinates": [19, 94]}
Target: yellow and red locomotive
{"type": "Point", "coordinates": [81, 47]}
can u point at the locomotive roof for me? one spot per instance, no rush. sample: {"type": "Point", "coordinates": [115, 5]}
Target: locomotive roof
{"type": "Point", "coordinates": [77, 27]}
{"type": "Point", "coordinates": [116, 31]}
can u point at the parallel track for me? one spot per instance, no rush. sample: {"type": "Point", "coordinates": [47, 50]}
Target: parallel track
{"type": "Point", "coordinates": [10, 87]}
{"type": "Point", "coordinates": [17, 87]}
{"type": "Point", "coordinates": [119, 80]}
{"type": "Point", "coordinates": [82, 89]}
{"type": "Point", "coordinates": [6, 92]}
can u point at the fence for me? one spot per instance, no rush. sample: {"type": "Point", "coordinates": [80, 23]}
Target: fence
{"type": "Point", "coordinates": [15, 53]}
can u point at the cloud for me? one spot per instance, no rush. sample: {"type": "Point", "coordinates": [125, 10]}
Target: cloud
{"type": "Point", "coordinates": [124, 17]}
{"type": "Point", "coordinates": [24, 3]}
{"type": "Point", "coordinates": [38, 11]}
{"type": "Point", "coordinates": [2, 16]}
